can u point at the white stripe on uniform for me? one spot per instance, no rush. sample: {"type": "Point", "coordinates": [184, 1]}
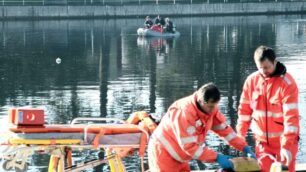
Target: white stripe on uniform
{"type": "Point", "coordinates": [219, 127]}
{"type": "Point", "coordinates": [291, 129]}
{"type": "Point", "coordinates": [230, 136]}
{"type": "Point", "coordinates": [244, 118]}
{"type": "Point", "coordinates": [191, 139]}
{"type": "Point", "coordinates": [260, 113]}
{"type": "Point", "coordinates": [290, 106]}
{"type": "Point", "coordinates": [199, 151]}
{"type": "Point", "coordinates": [169, 148]}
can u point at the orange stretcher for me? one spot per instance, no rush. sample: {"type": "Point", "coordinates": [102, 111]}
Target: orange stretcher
{"type": "Point", "coordinates": [28, 133]}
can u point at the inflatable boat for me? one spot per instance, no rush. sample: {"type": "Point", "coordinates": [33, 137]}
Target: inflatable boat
{"type": "Point", "coordinates": [152, 33]}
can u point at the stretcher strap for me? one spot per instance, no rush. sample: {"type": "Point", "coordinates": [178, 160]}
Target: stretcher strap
{"type": "Point", "coordinates": [68, 156]}
{"type": "Point", "coordinates": [142, 147]}
{"type": "Point", "coordinates": [97, 138]}
{"type": "Point", "coordinates": [143, 142]}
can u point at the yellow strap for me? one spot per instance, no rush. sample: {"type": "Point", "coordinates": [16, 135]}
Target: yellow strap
{"type": "Point", "coordinates": [44, 142]}
{"type": "Point", "coordinates": [61, 165]}
{"type": "Point", "coordinates": [120, 164]}
{"type": "Point", "coordinates": [52, 164]}
{"type": "Point", "coordinates": [115, 163]}
{"type": "Point", "coordinates": [111, 162]}
{"type": "Point", "coordinates": [56, 164]}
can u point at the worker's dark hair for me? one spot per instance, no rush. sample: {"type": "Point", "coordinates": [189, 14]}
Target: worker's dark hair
{"type": "Point", "coordinates": [210, 92]}
{"type": "Point", "coordinates": [263, 52]}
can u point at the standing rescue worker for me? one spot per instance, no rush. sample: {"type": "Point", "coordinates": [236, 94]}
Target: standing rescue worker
{"type": "Point", "coordinates": [269, 106]}
{"type": "Point", "coordinates": [181, 134]}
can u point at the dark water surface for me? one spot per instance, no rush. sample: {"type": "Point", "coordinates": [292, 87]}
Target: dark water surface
{"type": "Point", "coordinates": [107, 71]}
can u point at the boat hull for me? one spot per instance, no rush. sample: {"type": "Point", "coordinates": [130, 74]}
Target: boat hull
{"type": "Point", "coordinates": [151, 33]}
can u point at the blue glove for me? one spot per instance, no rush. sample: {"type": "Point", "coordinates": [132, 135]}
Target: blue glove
{"type": "Point", "coordinates": [224, 162]}
{"type": "Point", "coordinates": [247, 150]}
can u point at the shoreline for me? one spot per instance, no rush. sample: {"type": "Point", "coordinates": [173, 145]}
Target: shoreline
{"type": "Point", "coordinates": [140, 11]}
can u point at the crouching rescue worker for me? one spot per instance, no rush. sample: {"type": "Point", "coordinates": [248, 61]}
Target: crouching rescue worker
{"type": "Point", "coordinates": [181, 134]}
{"type": "Point", "coordinates": [269, 106]}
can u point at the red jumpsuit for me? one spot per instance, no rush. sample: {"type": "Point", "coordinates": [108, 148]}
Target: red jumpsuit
{"type": "Point", "coordinates": [181, 134]}
{"type": "Point", "coordinates": [269, 106]}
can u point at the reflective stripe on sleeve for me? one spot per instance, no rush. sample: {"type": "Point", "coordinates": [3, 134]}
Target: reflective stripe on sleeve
{"type": "Point", "coordinates": [291, 129]}
{"type": "Point", "coordinates": [287, 80]}
{"type": "Point", "coordinates": [219, 127]}
{"type": "Point", "coordinates": [230, 136]}
{"type": "Point", "coordinates": [244, 118]}
{"type": "Point", "coordinates": [244, 101]}
{"type": "Point", "coordinates": [199, 151]}
{"type": "Point", "coordinates": [290, 106]}
{"type": "Point", "coordinates": [190, 139]}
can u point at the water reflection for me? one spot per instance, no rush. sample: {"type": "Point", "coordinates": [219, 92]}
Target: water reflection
{"type": "Point", "coordinates": [160, 45]}
{"type": "Point", "coordinates": [107, 71]}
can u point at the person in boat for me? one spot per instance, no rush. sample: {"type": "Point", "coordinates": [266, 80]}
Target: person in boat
{"type": "Point", "coordinates": [159, 21]}
{"type": "Point", "coordinates": [148, 22]}
{"type": "Point", "coordinates": [169, 26]}
{"type": "Point", "coordinates": [269, 106]}
{"type": "Point", "coordinates": [180, 136]}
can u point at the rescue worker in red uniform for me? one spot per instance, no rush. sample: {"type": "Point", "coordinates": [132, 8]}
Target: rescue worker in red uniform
{"type": "Point", "coordinates": [269, 107]}
{"type": "Point", "coordinates": [181, 134]}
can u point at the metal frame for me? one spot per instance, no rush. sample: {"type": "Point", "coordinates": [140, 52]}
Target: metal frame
{"type": "Point", "coordinates": [126, 2]}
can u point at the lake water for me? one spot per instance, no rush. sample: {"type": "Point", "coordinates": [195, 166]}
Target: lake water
{"type": "Point", "coordinates": [106, 70]}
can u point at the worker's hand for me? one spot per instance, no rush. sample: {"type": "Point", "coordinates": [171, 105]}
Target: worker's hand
{"type": "Point", "coordinates": [224, 161]}
{"type": "Point", "coordinates": [286, 156]}
{"type": "Point", "coordinates": [247, 150]}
